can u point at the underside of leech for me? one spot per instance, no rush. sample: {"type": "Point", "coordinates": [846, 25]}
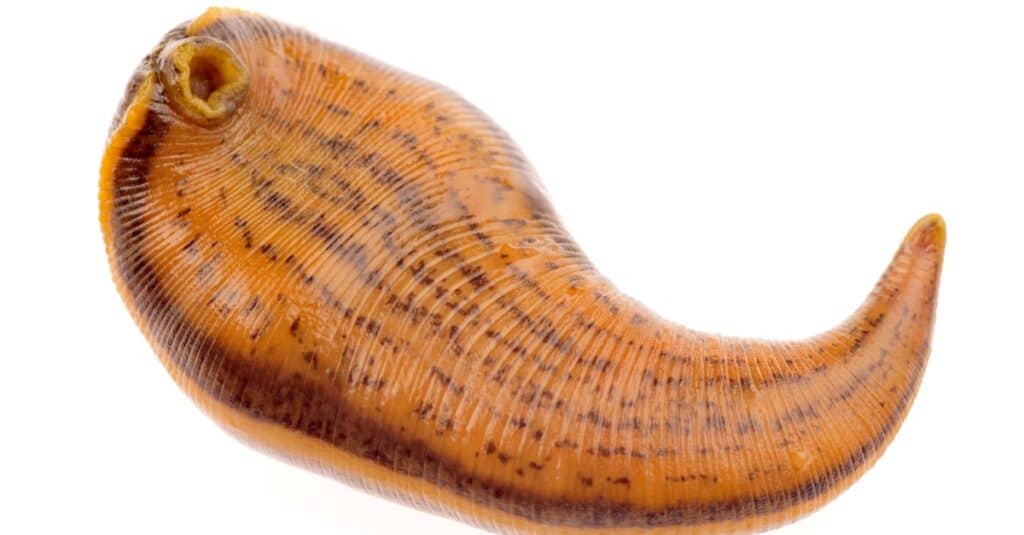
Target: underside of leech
{"type": "Point", "coordinates": [354, 268]}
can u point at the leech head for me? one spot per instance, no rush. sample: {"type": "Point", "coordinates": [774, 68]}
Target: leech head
{"type": "Point", "coordinates": [203, 78]}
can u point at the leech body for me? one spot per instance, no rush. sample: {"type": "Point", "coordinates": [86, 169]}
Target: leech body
{"type": "Point", "coordinates": [354, 269]}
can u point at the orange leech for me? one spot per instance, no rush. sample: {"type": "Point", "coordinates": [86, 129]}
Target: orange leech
{"type": "Point", "coordinates": [354, 269]}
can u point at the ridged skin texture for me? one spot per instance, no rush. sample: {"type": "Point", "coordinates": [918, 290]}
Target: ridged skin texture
{"type": "Point", "coordinates": [356, 270]}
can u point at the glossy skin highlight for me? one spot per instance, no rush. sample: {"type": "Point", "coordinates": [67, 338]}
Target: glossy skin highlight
{"type": "Point", "coordinates": [354, 269]}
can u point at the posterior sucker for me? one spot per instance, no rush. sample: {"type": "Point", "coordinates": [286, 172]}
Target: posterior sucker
{"type": "Point", "coordinates": [354, 269]}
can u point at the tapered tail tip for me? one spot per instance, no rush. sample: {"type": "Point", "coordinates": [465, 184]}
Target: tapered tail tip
{"type": "Point", "coordinates": [928, 235]}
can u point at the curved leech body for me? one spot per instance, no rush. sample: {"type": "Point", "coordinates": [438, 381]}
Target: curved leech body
{"type": "Point", "coordinates": [355, 269]}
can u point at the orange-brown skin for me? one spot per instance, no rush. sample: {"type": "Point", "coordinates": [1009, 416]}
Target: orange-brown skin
{"type": "Point", "coordinates": [354, 269]}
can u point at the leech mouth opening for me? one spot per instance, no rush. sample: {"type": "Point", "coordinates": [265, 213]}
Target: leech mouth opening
{"type": "Point", "coordinates": [203, 79]}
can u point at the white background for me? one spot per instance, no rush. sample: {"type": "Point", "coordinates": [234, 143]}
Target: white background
{"type": "Point", "coordinates": [745, 168]}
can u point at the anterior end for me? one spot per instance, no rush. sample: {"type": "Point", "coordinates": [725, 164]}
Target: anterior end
{"type": "Point", "coordinates": [203, 78]}
{"type": "Point", "coordinates": [928, 235]}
